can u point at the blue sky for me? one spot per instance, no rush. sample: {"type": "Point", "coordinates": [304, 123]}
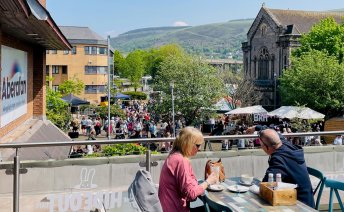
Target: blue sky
{"type": "Point", "coordinates": [113, 17]}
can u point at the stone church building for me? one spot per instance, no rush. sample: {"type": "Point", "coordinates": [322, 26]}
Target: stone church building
{"type": "Point", "coordinates": [272, 36]}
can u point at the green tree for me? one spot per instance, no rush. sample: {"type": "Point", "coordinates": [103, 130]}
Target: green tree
{"type": "Point", "coordinates": [134, 67]}
{"type": "Point", "coordinates": [155, 57]}
{"type": "Point", "coordinates": [118, 62]}
{"type": "Point", "coordinates": [326, 36]}
{"type": "Point", "coordinates": [73, 86]}
{"type": "Point", "coordinates": [57, 109]}
{"type": "Point", "coordinates": [315, 79]}
{"type": "Point", "coordinates": [196, 88]}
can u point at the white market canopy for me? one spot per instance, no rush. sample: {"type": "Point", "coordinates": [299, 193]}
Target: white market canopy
{"type": "Point", "coordinates": [248, 110]}
{"type": "Point", "coordinates": [291, 112]}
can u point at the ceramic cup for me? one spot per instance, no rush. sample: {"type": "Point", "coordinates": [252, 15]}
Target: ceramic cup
{"type": "Point", "coordinates": [247, 179]}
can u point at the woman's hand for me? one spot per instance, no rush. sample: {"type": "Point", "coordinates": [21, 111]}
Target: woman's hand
{"type": "Point", "coordinates": [212, 178]}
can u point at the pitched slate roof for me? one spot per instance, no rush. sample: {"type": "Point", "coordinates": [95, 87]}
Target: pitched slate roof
{"type": "Point", "coordinates": [82, 35]}
{"type": "Point", "coordinates": [302, 20]}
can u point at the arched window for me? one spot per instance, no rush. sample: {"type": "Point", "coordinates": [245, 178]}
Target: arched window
{"type": "Point", "coordinates": [263, 64]}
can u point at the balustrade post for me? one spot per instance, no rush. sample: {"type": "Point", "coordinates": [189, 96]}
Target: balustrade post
{"type": "Point", "coordinates": [16, 174]}
{"type": "Point", "coordinates": [148, 160]}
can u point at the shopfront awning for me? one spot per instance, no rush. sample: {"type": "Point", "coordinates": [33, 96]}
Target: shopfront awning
{"type": "Point", "coordinates": [29, 21]}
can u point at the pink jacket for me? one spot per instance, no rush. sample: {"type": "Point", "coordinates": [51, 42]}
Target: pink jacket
{"type": "Point", "coordinates": [178, 184]}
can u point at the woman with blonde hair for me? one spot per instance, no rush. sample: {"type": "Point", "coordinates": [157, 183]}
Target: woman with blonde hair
{"type": "Point", "coordinates": [178, 184]}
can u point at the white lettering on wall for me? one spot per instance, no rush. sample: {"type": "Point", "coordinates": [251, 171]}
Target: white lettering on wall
{"type": "Point", "coordinates": [84, 200]}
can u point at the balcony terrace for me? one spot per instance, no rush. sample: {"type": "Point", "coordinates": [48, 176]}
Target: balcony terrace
{"type": "Point", "coordinates": [84, 184]}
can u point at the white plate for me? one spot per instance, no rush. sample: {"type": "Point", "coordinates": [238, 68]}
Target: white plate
{"type": "Point", "coordinates": [246, 184]}
{"type": "Point", "coordinates": [215, 187]}
{"type": "Point", "coordinates": [238, 188]}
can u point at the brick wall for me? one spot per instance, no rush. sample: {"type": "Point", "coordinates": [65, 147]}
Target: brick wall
{"type": "Point", "coordinates": [35, 94]}
{"type": "Point", "coordinates": [39, 93]}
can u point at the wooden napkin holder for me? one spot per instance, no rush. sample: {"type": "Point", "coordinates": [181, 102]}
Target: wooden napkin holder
{"type": "Point", "coordinates": [277, 197]}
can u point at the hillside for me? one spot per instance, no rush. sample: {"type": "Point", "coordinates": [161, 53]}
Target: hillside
{"type": "Point", "coordinates": [219, 40]}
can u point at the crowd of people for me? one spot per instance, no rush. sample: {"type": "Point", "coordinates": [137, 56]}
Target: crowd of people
{"type": "Point", "coordinates": [137, 123]}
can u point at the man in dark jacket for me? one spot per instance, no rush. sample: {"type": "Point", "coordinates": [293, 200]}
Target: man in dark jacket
{"type": "Point", "coordinates": [287, 159]}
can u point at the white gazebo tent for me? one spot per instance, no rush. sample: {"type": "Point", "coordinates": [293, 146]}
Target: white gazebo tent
{"type": "Point", "coordinates": [291, 112]}
{"type": "Point", "coordinates": [248, 110]}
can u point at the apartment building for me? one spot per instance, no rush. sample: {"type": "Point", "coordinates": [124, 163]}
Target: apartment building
{"type": "Point", "coordinates": [87, 61]}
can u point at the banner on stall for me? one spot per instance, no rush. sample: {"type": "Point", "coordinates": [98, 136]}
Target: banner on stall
{"type": "Point", "coordinates": [260, 117]}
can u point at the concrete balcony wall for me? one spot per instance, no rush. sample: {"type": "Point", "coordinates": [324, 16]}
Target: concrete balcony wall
{"type": "Point", "coordinates": [116, 173]}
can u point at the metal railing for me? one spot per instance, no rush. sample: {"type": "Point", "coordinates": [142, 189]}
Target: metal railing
{"type": "Point", "coordinates": [148, 163]}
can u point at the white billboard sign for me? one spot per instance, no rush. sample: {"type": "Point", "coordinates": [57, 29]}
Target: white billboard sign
{"type": "Point", "coordinates": [13, 86]}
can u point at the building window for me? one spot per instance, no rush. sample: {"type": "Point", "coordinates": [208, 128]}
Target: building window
{"type": "Point", "coordinates": [74, 50]}
{"type": "Point", "coordinates": [64, 69]}
{"type": "Point", "coordinates": [94, 50]}
{"type": "Point", "coordinates": [102, 69]}
{"type": "Point", "coordinates": [96, 69]}
{"type": "Point", "coordinates": [47, 70]}
{"type": "Point", "coordinates": [254, 67]}
{"type": "Point", "coordinates": [54, 51]}
{"type": "Point", "coordinates": [55, 69]}
{"type": "Point", "coordinates": [91, 89]}
{"type": "Point", "coordinates": [102, 50]}
{"type": "Point", "coordinates": [263, 64]}
{"type": "Point", "coordinates": [285, 62]}
{"type": "Point", "coordinates": [55, 88]}
{"type": "Point", "coordinates": [65, 52]}
{"type": "Point", "coordinates": [272, 67]}
{"type": "Point", "coordinates": [87, 50]}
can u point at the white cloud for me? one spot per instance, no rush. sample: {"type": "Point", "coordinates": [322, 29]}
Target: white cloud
{"type": "Point", "coordinates": [180, 23]}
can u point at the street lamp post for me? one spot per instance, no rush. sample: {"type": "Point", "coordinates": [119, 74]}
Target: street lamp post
{"type": "Point", "coordinates": [275, 91]}
{"type": "Point", "coordinates": [173, 122]}
{"type": "Point", "coordinates": [108, 86]}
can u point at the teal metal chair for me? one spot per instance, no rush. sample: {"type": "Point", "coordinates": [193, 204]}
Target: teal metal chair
{"type": "Point", "coordinates": [318, 174]}
{"type": "Point", "coordinates": [334, 186]}
{"type": "Point", "coordinates": [202, 199]}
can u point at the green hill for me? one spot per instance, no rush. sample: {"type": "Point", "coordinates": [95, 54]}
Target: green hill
{"type": "Point", "coordinates": [337, 10]}
{"type": "Point", "coordinates": [219, 40]}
